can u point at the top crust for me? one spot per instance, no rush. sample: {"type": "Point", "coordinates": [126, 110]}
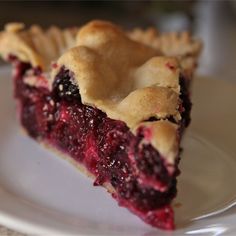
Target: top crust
{"type": "Point", "coordinates": [180, 45]}
{"type": "Point", "coordinates": [131, 84]}
{"type": "Point", "coordinates": [34, 45]}
{"type": "Point", "coordinates": [130, 76]}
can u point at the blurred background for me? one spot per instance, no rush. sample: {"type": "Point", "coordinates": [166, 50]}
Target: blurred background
{"type": "Point", "coordinates": [212, 21]}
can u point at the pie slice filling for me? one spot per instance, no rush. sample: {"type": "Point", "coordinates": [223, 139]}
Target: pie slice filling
{"type": "Point", "coordinates": [124, 161]}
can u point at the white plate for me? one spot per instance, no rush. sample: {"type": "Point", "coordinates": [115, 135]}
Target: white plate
{"type": "Point", "coordinates": [43, 194]}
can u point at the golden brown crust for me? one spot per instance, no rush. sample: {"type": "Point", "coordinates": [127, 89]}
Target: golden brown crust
{"type": "Point", "coordinates": [132, 88]}
{"type": "Point", "coordinates": [41, 47]}
{"type": "Point", "coordinates": [34, 45]}
{"type": "Point", "coordinates": [131, 77]}
{"type": "Point", "coordinates": [180, 45]}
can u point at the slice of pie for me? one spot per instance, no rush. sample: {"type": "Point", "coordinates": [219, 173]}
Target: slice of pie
{"type": "Point", "coordinates": [114, 103]}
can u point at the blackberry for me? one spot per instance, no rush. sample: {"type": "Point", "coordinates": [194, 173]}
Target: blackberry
{"type": "Point", "coordinates": [63, 86]}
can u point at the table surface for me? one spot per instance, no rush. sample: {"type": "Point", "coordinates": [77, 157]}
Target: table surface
{"type": "Point", "coordinates": [8, 232]}
{"type": "Point", "coordinates": [217, 29]}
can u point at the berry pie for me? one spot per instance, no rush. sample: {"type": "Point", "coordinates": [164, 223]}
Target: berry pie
{"type": "Point", "coordinates": [114, 103]}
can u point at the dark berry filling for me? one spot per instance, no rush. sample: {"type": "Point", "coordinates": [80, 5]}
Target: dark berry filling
{"type": "Point", "coordinates": [186, 103]}
{"type": "Point", "coordinates": [105, 146]}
